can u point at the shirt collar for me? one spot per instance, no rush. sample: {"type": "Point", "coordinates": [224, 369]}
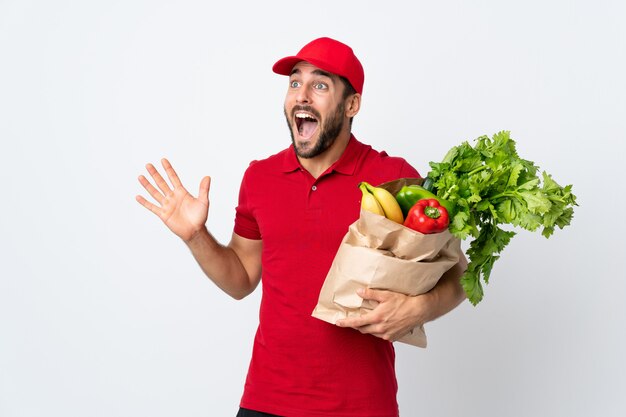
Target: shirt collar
{"type": "Point", "coordinates": [346, 164]}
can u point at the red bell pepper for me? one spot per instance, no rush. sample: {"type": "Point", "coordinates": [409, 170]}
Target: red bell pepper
{"type": "Point", "coordinates": [427, 216]}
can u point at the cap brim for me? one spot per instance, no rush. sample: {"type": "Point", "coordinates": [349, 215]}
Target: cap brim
{"type": "Point", "coordinates": [285, 65]}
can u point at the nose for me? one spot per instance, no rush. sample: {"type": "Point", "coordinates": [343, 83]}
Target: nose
{"type": "Point", "coordinates": [303, 95]}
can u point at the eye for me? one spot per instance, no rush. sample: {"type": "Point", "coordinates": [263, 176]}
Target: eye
{"type": "Point", "coordinates": [294, 84]}
{"type": "Point", "coordinates": [320, 86]}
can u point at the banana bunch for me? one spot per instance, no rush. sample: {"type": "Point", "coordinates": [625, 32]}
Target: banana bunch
{"type": "Point", "coordinates": [380, 201]}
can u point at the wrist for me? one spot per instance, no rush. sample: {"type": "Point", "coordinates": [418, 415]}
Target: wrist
{"type": "Point", "coordinates": [425, 305]}
{"type": "Point", "coordinates": [197, 237]}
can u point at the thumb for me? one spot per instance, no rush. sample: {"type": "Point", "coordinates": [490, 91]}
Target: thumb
{"type": "Point", "coordinates": [371, 294]}
{"type": "Point", "coordinates": [205, 185]}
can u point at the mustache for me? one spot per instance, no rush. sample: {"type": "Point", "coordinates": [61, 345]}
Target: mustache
{"type": "Point", "coordinates": [307, 109]}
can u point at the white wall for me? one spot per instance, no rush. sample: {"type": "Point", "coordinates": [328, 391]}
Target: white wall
{"type": "Point", "coordinates": [104, 313]}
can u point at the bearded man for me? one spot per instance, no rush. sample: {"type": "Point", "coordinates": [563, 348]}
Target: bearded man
{"type": "Point", "coordinates": [294, 209]}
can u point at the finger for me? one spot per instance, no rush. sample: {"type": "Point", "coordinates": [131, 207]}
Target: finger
{"type": "Point", "coordinates": [371, 294]}
{"type": "Point", "coordinates": [370, 329]}
{"type": "Point", "coordinates": [153, 208]}
{"type": "Point", "coordinates": [355, 322]}
{"type": "Point", "coordinates": [205, 186]}
{"type": "Point", "coordinates": [171, 173]}
{"type": "Point", "coordinates": [151, 190]}
{"type": "Point", "coordinates": [158, 179]}
{"type": "Point", "coordinates": [377, 330]}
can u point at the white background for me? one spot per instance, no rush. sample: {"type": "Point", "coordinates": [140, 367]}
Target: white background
{"type": "Point", "coordinates": [103, 312]}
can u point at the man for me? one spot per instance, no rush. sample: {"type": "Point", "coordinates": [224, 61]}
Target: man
{"type": "Point", "coordinates": [294, 208]}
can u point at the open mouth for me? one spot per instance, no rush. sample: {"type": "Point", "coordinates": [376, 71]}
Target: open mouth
{"type": "Point", "coordinates": [306, 124]}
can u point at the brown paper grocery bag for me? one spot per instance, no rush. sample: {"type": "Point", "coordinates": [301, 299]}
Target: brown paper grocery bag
{"type": "Point", "coordinates": [381, 254]}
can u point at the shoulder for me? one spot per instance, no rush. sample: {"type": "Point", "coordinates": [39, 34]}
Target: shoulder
{"type": "Point", "coordinates": [390, 164]}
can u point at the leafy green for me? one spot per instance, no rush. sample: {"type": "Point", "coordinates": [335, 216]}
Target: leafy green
{"type": "Point", "coordinates": [491, 187]}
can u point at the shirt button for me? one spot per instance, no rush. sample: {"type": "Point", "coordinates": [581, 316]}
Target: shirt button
{"type": "Point", "coordinates": [314, 188]}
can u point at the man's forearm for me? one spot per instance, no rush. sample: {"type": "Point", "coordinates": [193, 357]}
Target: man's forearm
{"type": "Point", "coordinates": [396, 313]}
{"type": "Point", "coordinates": [447, 294]}
{"type": "Point", "coordinates": [221, 264]}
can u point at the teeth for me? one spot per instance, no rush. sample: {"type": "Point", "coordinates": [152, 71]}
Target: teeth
{"type": "Point", "coordinates": [304, 116]}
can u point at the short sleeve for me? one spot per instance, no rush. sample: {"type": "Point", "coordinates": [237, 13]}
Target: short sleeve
{"type": "Point", "coordinates": [407, 171]}
{"type": "Point", "coordinates": [245, 223]}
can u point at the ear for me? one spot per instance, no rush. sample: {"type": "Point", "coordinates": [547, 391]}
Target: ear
{"type": "Point", "coordinates": [353, 104]}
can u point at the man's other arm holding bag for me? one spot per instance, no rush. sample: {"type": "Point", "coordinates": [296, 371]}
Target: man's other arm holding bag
{"type": "Point", "coordinates": [396, 314]}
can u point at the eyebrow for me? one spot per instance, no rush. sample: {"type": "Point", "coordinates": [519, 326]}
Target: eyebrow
{"type": "Point", "coordinates": [316, 72]}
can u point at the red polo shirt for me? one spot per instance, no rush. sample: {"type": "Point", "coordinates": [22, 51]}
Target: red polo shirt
{"type": "Point", "coordinates": [302, 366]}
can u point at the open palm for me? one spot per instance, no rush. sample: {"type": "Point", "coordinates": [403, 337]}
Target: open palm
{"type": "Point", "coordinates": [181, 212]}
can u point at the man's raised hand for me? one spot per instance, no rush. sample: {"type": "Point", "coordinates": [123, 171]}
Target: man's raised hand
{"type": "Point", "coordinates": [181, 212]}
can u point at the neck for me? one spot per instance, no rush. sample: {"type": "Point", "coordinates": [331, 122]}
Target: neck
{"type": "Point", "coordinates": [318, 165]}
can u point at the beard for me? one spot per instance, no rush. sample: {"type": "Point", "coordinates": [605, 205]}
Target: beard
{"type": "Point", "coordinates": [328, 131]}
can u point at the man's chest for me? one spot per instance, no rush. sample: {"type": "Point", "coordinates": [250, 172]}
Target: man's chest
{"type": "Point", "coordinates": [304, 213]}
